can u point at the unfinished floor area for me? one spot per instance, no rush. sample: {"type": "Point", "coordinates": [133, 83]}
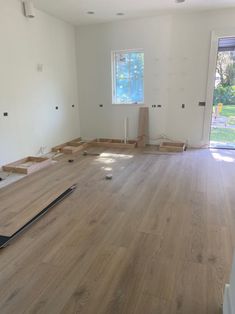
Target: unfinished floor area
{"type": "Point", "coordinates": [157, 239]}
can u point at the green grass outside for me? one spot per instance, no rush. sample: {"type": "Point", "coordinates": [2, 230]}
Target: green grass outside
{"type": "Point", "coordinates": [231, 121]}
{"type": "Point", "coordinates": [225, 134]}
{"type": "Point", "coordinates": [228, 111]}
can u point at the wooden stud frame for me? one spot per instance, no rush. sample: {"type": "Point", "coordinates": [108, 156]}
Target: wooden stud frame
{"type": "Point", "coordinates": [172, 147]}
{"type": "Point", "coordinates": [28, 165]}
{"type": "Point", "coordinates": [71, 147]}
{"type": "Point", "coordinates": [113, 143]}
{"type": "Point", "coordinates": [76, 145]}
{"type": "Point", "coordinates": [60, 147]}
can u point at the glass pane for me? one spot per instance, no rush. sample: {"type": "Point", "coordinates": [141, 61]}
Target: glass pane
{"type": "Point", "coordinates": [136, 65]}
{"type": "Point", "coordinates": [122, 66]}
{"type": "Point", "coordinates": [223, 114]}
{"type": "Point", "coordinates": [136, 88]}
{"type": "Point", "coordinates": [129, 75]}
{"type": "Point", "coordinates": [123, 91]}
{"type": "Point", "coordinates": [136, 79]}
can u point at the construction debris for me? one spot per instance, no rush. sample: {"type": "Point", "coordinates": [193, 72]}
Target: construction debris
{"type": "Point", "coordinates": [109, 176]}
{"type": "Point", "coordinates": [85, 153]}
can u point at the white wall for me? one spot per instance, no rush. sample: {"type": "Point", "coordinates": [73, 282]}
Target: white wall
{"type": "Point", "coordinates": [176, 67]}
{"type": "Point", "coordinates": [95, 44]}
{"type": "Point", "coordinates": [30, 96]}
{"type": "Point", "coordinates": [190, 51]}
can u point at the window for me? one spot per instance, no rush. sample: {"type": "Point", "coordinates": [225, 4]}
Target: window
{"type": "Point", "coordinates": [128, 77]}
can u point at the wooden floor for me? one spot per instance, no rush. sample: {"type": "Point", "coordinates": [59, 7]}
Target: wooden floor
{"type": "Point", "coordinates": [157, 239]}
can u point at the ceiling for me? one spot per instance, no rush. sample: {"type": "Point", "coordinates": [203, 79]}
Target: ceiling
{"type": "Point", "coordinates": [75, 11]}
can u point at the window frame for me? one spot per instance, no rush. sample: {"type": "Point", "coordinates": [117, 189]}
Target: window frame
{"type": "Point", "coordinates": [113, 73]}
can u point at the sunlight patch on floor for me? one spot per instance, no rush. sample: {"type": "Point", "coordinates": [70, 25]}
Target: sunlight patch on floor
{"type": "Point", "coordinates": [222, 157]}
{"type": "Point", "coordinates": [109, 158]}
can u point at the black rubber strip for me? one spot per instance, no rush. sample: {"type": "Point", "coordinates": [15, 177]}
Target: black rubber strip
{"type": "Point", "coordinates": [5, 240]}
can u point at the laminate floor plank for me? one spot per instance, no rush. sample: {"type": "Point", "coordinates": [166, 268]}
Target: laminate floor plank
{"type": "Point", "coordinates": [157, 239]}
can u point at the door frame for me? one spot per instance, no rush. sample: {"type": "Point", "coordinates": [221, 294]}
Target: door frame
{"type": "Point", "coordinates": [215, 36]}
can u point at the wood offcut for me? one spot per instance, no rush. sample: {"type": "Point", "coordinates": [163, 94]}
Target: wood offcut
{"type": "Point", "coordinates": [143, 128]}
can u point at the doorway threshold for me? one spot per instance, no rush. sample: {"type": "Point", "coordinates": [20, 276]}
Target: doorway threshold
{"type": "Point", "coordinates": [222, 145]}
